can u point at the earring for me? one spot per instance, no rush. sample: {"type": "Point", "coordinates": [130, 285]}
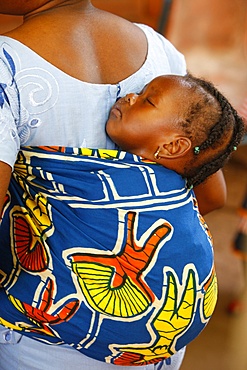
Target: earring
{"type": "Point", "coordinates": [156, 154]}
{"type": "Point", "coordinates": [196, 150]}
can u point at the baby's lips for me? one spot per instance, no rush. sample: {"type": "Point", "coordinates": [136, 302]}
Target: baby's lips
{"type": "Point", "coordinates": [116, 111]}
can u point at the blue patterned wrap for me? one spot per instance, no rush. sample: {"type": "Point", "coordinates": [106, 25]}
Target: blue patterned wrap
{"type": "Point", "coordinates": [106, 252]}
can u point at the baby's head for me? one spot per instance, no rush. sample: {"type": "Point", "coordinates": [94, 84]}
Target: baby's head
{"type": "Point", "coordinates": [181, 122]}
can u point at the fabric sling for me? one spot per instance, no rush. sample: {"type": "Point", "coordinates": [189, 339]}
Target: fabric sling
{"type": "Point", "coordinates": [104, 251]}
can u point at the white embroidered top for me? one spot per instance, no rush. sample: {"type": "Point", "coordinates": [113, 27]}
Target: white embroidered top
{"type": "Point", "coordinates": [42, 105]}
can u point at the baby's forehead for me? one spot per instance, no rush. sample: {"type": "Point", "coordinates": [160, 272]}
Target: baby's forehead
{"type": "Point", "coordinates": [175, 86]}
{"type": "Point", "coordinates": [166, 81]}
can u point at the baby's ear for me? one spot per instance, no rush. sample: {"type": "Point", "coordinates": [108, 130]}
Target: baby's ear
{"type": "Point", "coordinates": [176, 148]}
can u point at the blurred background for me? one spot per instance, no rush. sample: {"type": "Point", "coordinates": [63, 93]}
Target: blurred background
{"type": "Point", "coordinates": [212, 34]}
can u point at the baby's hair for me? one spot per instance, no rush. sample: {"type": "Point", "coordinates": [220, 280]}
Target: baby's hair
{"type": "Point", "coordinates": [206, 118]}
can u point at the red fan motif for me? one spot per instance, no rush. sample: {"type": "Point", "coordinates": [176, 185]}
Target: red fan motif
{"type": "Point", "coordinates": [134, 359]}
{"type": "Point", "coordinates": [29, 249]}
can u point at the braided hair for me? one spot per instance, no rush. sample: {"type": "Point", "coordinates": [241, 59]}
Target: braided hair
{"type": "Point", "coordinates": [215, 130]}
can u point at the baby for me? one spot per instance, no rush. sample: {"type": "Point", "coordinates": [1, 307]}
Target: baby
{"type": "Point", "coordinates": [182, 122]}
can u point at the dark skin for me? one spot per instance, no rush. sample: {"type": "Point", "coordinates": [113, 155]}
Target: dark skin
{"type": "Point", "coordinates": [137, 121]}
{"type": "Point", "coordinates": [81, 40]}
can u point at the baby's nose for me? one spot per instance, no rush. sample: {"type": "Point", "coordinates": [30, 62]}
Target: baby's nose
{"type": "Point", "coordinates": [130, 98]}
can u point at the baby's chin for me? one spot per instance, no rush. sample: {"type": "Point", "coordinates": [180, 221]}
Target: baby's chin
{"type": "Point", "coordinates": [111, 131]}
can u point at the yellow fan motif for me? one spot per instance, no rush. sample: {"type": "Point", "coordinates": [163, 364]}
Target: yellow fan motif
{"type": "Point", "coordinates": [115, 284]}
{"type": "Point", "coordinates": [124, 301]}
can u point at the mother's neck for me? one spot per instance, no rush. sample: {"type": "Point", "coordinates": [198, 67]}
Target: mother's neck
{"type": "Point", "coordinates": [56, 5]}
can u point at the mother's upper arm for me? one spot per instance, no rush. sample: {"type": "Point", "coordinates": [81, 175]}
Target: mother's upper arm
{"type": "Point", "coordinates": [9, 109]}
{"type": "Point", "coordinates": [212, 193]}
{"type": "Point", "coordinates": [5, 173]}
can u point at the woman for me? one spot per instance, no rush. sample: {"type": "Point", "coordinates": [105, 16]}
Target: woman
{"type": "Point", "coordinates": [60, 73]}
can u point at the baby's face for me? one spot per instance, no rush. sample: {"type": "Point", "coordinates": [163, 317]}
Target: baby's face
{"type": "Point", "coordinates": [138, 123]}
